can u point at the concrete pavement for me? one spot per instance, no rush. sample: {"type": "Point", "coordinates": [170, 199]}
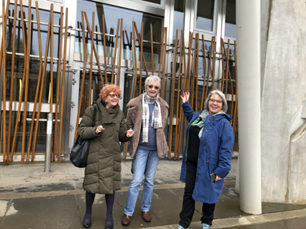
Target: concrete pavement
{"type": "Point", "coordinates": [31, 198]}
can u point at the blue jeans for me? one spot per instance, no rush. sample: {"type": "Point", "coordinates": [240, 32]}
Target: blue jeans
{"type": "Point", "coordinates": [144, 161]}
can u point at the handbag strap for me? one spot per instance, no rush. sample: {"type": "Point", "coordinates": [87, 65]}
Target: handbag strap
{"type": "Point", "coordinates": [94, 116]}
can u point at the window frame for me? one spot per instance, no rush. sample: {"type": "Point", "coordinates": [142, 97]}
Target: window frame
{"type": "Point", "coordinates": [215, 17]}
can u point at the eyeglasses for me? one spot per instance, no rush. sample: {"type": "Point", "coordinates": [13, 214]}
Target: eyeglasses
{"type": "Point", "coordinates": [217, 101]}
{"type": "Point", "coordinates": [114, 95]}
{"type": "Point", "coordinates": [155, 87]}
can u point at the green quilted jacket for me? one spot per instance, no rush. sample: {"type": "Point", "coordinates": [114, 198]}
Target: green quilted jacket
{"type": "Point", "coordinates": [103, 169]}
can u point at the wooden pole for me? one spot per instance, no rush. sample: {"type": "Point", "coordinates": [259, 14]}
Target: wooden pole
{"type": "Point", "coordinates": [91, 58]}
{"type": "Point", "coordinates": [227, 69]}
{"type": "Point", "coordinates": [222, 44]}
{"type": "Point", "coordinates": [116, 42]}
{"type": "Point", "coordinates": [161, 53]}
{"type": "Point", "coordinates": [83, 78]}
{"type": "Point", "coordinates": [104, 48]}
{"type": "Point", "coordinates": [164, 64]}
{"type": "Point", "coordinates": [236, 90]}
{"type": "Point", "coordinates": [178, 96]}
{"type": "Point", "coordinates": [58, 81]}
{"type": "Point", "coordinates": [204, 78]}
{"type": "Point", "coordinates": [4, 18]}
{"type": "Point", "coordinates": [94, 49]}
{"type": "Point", "coordinates": [120, 45]}
{"type": "Point", "coordinates": [63, 83]}
{"type": "Point", "coordinates": [143, 59]}
{"type": "Point", "coordinates": [213, 68]}
{"type": "Point", "coordinates": [42, 84]}
{"type": "Point", "coordinates": [141, 53]}
{"type": "Point", "coordinates": [135, 77]}
{"type": "Point", "coordinates": [173, 93]}
{"type": "Point", "coordinates": [23, 81]}
{"type": "Point", "coordinates": [11, 85]}
{"type": "Point", "coordinates": [197, 73]}
{"type": "Point", "coordinates": [26, 82]}
{"type": "Point", "coordinates": [135, 59]}
{"type": "Point", "coordinates": [38, 83]}
{"type": "Point", "coordinates": [152, 48]}
{"type": "Point", "coordinates": [189, 60]}
{"type": "Point", "coordinates": [193, 69]}
{"type": "Point", "coordinates": [185, 87]}
{"type": "Point", "coordinates": [209, 65]}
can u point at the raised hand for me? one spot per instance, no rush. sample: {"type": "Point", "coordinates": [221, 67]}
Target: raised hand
{"type": "Point", "coordinates": [130, 133]}
{"type": "Point", "coordinates": [185, 97]}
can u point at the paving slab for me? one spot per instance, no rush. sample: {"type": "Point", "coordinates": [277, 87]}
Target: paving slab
{"type": "Point", "coordinates": [55, 212]}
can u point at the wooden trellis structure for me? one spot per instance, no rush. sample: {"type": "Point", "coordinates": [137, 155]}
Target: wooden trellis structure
{"type": "Point", "coordinates": [10, 148]}
{"type": "Point", "coordinates": [185, 76]}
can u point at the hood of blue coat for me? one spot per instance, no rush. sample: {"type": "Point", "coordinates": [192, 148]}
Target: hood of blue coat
{"type": "Point", "coordinates": [223, 115]}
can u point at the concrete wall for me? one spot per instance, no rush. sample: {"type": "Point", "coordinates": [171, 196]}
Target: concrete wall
{"type": "Point", "coordinates": [283, 97]}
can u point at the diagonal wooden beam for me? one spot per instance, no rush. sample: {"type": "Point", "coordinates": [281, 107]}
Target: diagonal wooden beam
{"type": "Point", "coordinates": [173, 93]}
{"type": "Point", "coordinates": [120, 46]}
{"type": "Point", "coordinates": [42, 84]}
{"type": "Point", "coordinates": [58, 82]}
{"type": "Point", "coordinates": [38, 83]}
{"type": "Point", "coordinates": [84, 76]}
{"type": "Point", "coordinates": [12, 83]}
{"type": "Point", "coordinates": [116, 42]}
{"type": "Point", "coordinates": [63, 83]}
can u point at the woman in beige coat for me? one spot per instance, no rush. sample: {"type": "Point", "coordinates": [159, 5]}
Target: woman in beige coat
{"type": "Point", "coordinates": [147, 115]}
{"type": "Point", "coordinates": [103, 169]}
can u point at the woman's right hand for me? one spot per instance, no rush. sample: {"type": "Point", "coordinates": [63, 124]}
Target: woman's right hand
{"type": "Point", "coordinates": [99, 129]}
{"type": "Point", "coordinates": [185, 97]}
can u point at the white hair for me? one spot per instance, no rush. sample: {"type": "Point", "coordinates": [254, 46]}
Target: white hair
{"type": "Point", "coordinates": [217, 92]}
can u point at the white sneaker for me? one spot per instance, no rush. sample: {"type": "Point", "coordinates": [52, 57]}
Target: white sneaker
{"type": "Point", "coordinates": [205, 226]}
{"type": "Point", "coordinates": [180, 227]}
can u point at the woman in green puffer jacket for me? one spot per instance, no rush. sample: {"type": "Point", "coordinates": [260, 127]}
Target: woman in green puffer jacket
{"type": "Point", "coordinates": [103, 169]}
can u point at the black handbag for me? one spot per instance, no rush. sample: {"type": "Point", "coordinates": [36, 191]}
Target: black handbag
{"type": "Point", "coordinates": [79, 151]}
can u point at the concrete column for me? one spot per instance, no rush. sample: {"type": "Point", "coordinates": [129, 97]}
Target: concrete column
{"type": "Point", "coordinates": [248, 62]}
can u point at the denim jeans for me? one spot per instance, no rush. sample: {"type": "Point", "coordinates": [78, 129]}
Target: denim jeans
{"type": "Point", "coordinates": [144, 161]}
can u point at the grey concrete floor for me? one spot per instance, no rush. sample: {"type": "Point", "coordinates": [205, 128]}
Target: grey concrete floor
{"type": "Point", "coordinates": [31, 198]}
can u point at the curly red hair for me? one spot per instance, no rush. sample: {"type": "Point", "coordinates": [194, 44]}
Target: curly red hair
{"type": "Point", "coordinates": [108, 88]}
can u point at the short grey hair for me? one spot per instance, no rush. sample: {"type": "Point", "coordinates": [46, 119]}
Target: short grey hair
{"type": "Point", "coordinates": [217, 92]}
{"type": "Point", "coordinates": [152, 78]}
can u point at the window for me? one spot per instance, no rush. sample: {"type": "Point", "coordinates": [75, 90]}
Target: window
{"type": "Point", "coordinates": [230, 19]}
{"type": "Point", "coordinates": [112, 14]}
{"type": "Point", "coordinates": [179, 16]}
{"type": "Point", "coordinates": [205, 14]}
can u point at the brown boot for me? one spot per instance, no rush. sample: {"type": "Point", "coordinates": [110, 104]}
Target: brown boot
{"type": "Point", "coordinates": [126, 219]}
{"type": "Point", "coordinates": [146, 216]}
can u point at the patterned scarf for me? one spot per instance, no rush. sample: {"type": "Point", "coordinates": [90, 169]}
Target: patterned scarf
{"type": "Point", "coordinates": [201, 120]}
{"type": "Point", "coordinates": [156, 119]}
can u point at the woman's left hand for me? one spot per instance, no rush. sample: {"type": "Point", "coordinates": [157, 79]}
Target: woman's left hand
{"type": "Point", "coordinates": [130, 133]}
{"type": "Point", "coordinates": [218, 178]}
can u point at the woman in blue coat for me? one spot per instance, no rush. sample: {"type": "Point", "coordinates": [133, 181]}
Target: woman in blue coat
{"type": "Point", "coordinates": [207, 156]}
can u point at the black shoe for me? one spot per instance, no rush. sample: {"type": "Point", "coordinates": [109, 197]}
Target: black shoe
{"type": "Point", "coordinates": [109, 225]}
{"type": "Point", "coordinates": [87, 223]}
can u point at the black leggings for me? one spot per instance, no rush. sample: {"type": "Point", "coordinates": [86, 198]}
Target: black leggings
{"type": "Point", "coordinates": [189, 203]}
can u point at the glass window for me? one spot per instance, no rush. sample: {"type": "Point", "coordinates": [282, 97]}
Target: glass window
{"type": "Point", "coordinates": [34, 50]}
{"type": "Point", "coordinates": [112, 14]}
{"type": "Point", "coordinates": [230, 19]}
{"type": "Point", "coordinates": [43, 17]}
{"type": "Point", "coordinates": [205, 15]}
{"type": "Point", "coordinates": [178, 20]}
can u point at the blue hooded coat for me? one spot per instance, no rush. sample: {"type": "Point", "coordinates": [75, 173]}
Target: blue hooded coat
{"type": "Point", "coordinates": [215, 153]}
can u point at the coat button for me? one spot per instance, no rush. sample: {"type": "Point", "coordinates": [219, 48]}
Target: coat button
{"type": "Point", "coordinates": [214, 117]}
{"type": "Point", "coordinates": [207, 160]}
